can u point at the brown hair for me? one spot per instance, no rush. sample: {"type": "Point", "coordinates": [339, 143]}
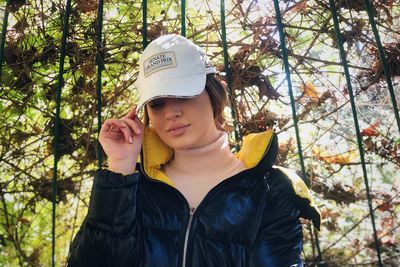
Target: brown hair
{"type": "Point", "coordinates": [218, 98]}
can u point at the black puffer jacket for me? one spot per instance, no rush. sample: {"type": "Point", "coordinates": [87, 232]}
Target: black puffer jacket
{"type": "Point", "coordinates": [250, 219]}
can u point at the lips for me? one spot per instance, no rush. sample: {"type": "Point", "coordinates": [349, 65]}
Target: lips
{"type": "Point", "coordinates": [178, 129]}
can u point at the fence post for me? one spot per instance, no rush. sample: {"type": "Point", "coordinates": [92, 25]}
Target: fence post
{"type": "Point", "coordinates": [100, 67]}
{"type": "Point", "coordinates": [228, 72]}
{"type": "Point", "coordinates": [144, 24]}
{"type": "Point", "coordinates": [289, 83]}
{"type": "Point", "coordinates": [292, 103]}
{"type": "Point", "coordinates": [183, 18]}
{"type": "Point", "coordinates": [57, 123]}
{"type": "Point", "coordinates": [358, 133]}
{"type": "Point", "coordinates": [382, 57]}
{"type": "Point", "coordinates": [3, 35]}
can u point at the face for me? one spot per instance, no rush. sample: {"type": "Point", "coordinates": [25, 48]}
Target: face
{"type": "Point", "coordinates": [183, 123]}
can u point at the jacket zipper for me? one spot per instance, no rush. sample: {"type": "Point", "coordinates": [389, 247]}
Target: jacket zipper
{"type": "Point", "coordinates": [191, 212]}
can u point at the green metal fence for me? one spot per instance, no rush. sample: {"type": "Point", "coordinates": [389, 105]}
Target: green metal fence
{"type": "Point", "coordinates": [284, 56]}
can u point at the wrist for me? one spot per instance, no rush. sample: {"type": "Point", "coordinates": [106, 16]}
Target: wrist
{"type": "Point", "coordinates": [125, 166]}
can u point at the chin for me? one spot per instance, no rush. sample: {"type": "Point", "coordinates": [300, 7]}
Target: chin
{"type": "Point", "coordinates": [181, 143]}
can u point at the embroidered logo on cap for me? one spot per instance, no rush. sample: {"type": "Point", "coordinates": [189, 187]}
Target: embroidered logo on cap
{"type": "Point", "coordinates": [157, 62]}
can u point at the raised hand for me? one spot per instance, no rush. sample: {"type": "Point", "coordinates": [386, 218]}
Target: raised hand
{"type": "Point", "coordinates": [121, 140]}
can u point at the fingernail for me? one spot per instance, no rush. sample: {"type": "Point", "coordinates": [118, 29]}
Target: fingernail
{"type": "Point", "coordinates": [130, 139]}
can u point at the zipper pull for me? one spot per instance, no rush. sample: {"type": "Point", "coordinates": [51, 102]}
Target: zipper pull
{"type": "Point", "coordinates": [191, 211]}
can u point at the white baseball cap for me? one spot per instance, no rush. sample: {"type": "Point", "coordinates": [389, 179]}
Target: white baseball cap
{"type": "Point", "coordinates": [172, 66]}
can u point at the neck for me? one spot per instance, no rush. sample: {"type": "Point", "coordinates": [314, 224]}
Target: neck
{"type": "Point", "coordinates": [214, 159]}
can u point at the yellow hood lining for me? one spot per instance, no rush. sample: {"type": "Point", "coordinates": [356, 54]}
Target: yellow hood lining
{"type": "Point", "coordinates": [156, 153]}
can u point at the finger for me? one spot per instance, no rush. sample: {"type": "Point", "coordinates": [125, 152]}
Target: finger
{"type": "Point", "coordinates": [126, 130]}
{"type": "Point", "coordinates": [132, 113]}
{"type": "Point", "coordinates": [112, 135]}
{"type": "Point", "coordinates": [140, 123]}
{"type": "Point", "coordinates": [112, 125]}
{"type": "Point", "coordinates": [134, 125]}
{"type": "Point", "coordinates": [120, 126]}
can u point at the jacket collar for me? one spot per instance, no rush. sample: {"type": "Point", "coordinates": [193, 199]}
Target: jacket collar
{"type": "Point", "coordinates": [259, 150]}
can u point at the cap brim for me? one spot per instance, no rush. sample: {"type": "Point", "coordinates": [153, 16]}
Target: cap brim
{"type": "Point", "coordinates": [182, 87]}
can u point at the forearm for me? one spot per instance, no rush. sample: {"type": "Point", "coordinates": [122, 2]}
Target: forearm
{"type": "Point", "coordinates": [113, 200]}
{"type": "Point", "coordinates": [109, 224]}
{"type": "Point", "coordinates": [279, 245]}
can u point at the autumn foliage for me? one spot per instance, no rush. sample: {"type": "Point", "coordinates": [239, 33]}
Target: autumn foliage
{"type": "Point", "coordinates": [259, 96]}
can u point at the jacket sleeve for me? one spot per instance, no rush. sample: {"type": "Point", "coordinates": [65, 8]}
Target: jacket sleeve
{"type": "Point", "coordinates": [108, 235]}
{"type": "Point", "coordinates": [279, 239]}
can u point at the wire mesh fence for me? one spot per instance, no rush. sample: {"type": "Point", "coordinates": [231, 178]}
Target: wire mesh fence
{"type": "Point", "coordinates": [48, 141]}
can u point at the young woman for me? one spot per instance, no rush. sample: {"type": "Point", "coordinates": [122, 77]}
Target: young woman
{"type": "Point", "coordinates": [192, 202]}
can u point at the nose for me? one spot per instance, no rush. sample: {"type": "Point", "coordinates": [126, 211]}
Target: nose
{"type": "Point", "coordinates": [173, 109]}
